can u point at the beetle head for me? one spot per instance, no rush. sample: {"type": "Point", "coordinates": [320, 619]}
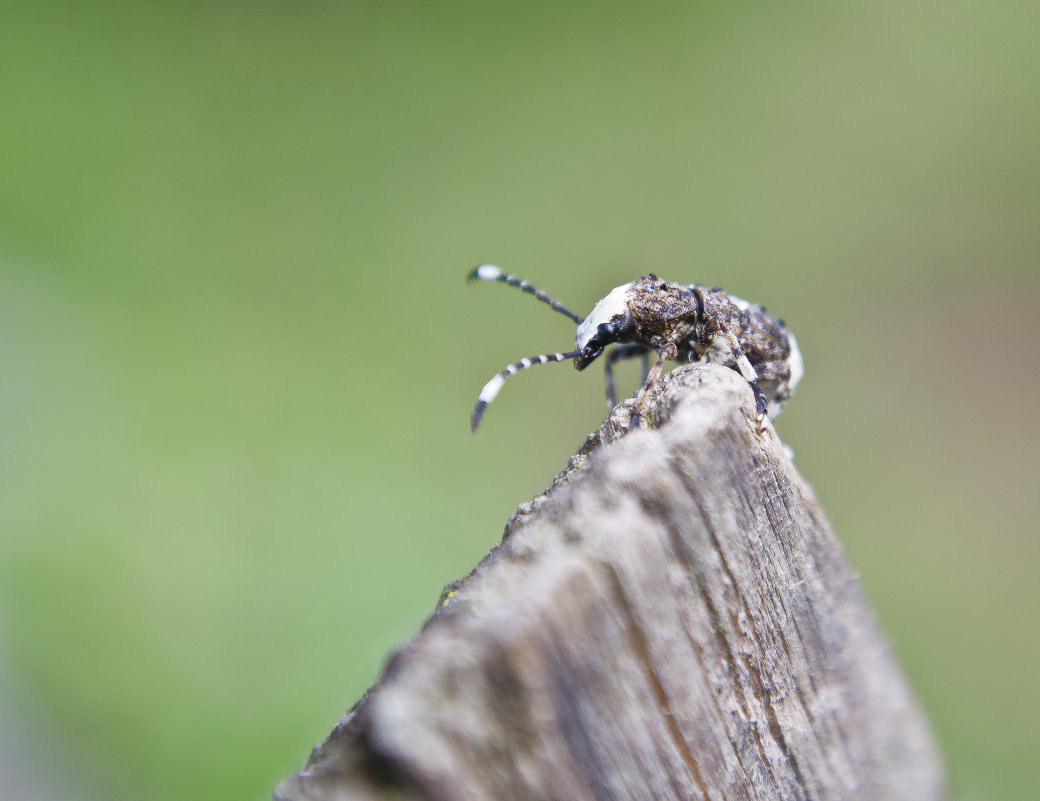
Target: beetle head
{"type": "Point", "coordinates": [609, 321]}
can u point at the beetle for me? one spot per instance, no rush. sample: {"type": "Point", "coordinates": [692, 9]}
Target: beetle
{"type": "Point", "coordinates": [680, 322]}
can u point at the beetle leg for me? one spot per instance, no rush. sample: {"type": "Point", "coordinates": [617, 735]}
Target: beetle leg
{"type": "Point", "coordinates": [629, 351]}
{"type": "Point", "coordinates": [743, 366]}
{"type": "Point", "coordinates": [760, 404]}
{"type": "Point", "coordinates": [666, 352]}
{"type": "Point", "coordinates": [776, 376]}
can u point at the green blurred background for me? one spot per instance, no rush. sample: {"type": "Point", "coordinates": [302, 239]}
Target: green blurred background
{"type": "Point", "coordinates": [237, 356]}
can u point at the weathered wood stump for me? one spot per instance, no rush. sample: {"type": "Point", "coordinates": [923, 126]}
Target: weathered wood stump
{"type": "Point", "coordinates": [672, 619]}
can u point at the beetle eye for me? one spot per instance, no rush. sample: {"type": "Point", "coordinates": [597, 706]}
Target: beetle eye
{"type": "Point", "coordinates": [605, 334]}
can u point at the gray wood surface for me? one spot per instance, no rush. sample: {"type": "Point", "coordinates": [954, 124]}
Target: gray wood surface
{"type": "Point", "coordinates": [672, 619]}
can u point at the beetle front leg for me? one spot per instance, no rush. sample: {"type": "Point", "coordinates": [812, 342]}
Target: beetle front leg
{"type": "Point", "coordinates": [760, 404]}
{"type": "Point", "coordinates": [666, 352]}
{"type": "Point", "coordinates": [629, 351]}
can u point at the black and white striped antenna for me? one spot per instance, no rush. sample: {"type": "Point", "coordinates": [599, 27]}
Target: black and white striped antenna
{"type": "Point", "coordinates": [489, 272]}
{"type": "Point", "coordinates": [491, 388]}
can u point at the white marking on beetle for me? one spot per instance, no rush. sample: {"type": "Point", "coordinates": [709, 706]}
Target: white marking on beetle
{"type": "Point", "coordinates": [795, 362]}
{"type": "Point", "coordinates": [613, 305]}
{"type": "Point", "coordinates": [720, 351]}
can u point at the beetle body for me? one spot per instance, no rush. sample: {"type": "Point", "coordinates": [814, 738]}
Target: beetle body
{"type": "Point", "coordinates": [680, 322]}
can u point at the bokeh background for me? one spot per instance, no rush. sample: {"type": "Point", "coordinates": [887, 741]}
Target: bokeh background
{"type": "Point", "coordinates": [237, 355]}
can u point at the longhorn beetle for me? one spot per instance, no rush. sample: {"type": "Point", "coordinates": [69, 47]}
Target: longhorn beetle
{"type": "Point", "coordinates": [682, 323]}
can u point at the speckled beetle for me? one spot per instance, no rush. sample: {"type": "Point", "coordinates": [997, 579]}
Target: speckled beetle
{"type": "Point", "coordinates": [681, 322]}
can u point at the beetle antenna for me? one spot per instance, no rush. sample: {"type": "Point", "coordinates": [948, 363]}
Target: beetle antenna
{"type": "Point", "coordinates": [489, 272]}
{"type": "Point", "coordinates": [492, 387]}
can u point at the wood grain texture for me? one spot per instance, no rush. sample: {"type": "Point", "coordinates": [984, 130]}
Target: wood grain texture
{"type": "Point", "coordinates": [672, 619]}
